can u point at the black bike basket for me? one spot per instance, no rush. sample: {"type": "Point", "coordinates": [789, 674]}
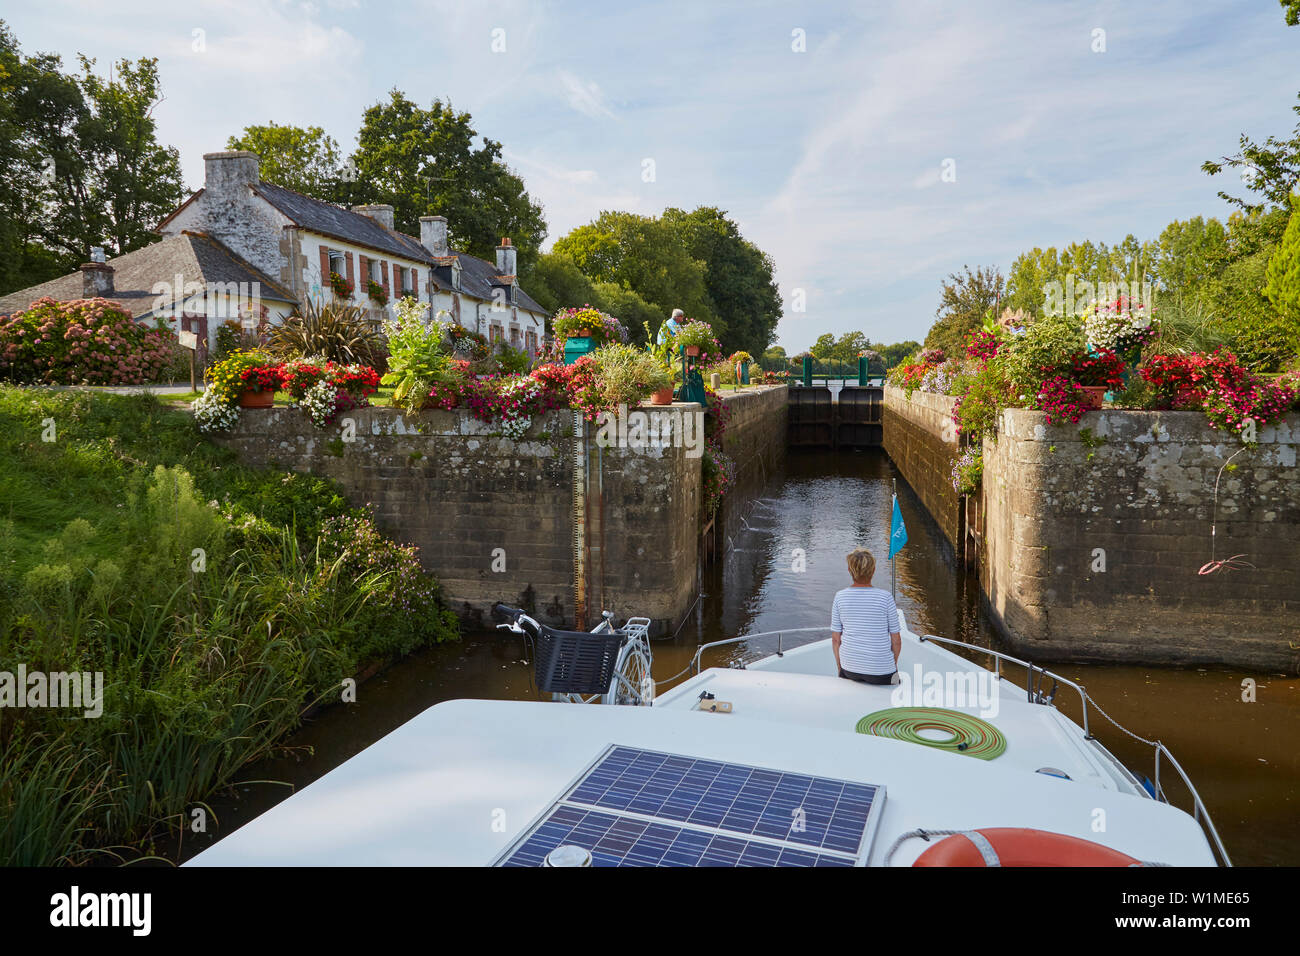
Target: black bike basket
{"type": "Point", "coordinates": [576, 662]}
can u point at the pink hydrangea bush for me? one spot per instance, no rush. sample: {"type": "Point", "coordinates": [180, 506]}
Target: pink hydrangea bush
{"type": "Point", "coordinates": [82, 342]}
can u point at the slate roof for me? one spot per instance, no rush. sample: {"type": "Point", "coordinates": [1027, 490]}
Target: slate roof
{"type": "Point", "coordinates": [331, 220]}
{"type": "Point", "coordinates": [479, 277]}
{"type": "Point", "coordinates": [193, 256]}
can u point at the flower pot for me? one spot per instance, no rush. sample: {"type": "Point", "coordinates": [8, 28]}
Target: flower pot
{"type": "Point", "coordinates": [251, 399]}
{"type": "Point", "coordinates": [1093, 395]}
{"type": "Point", "coordinates": [662, 397]}
{"type": "Point", "coordinates": [582, 334]}
{"type": "Point", "coordinates": [692, 350]}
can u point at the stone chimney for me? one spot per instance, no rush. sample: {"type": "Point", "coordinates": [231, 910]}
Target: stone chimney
{"type": "Point", "coordinates": [506, 258]}
{"type": "Point", "coordinates": [433, 234]}
{"type": "Point", "coordinates": [228, 175]}
{"type": "Point", "coordinates": [96, 279]}
{"type": "Point", "coordinates": [381, 214]}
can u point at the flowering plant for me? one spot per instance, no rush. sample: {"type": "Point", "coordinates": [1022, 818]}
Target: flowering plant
{"type": "Point", "coordinates": [1062, 400]}
{"type": "Point", "coordinates": [697, 334]}
{"type": "Point", "coordinates": [377, 292]}
{"type": "Point", "coordinates": [83, 341]}
{"type": "Point", "coordinates": [1228, 392]}
{"type": "Point", "coordinates": [602, 328]}
{"type": "Point", "coordinates": [741, 356]}
{"type": "Point", "coordinates": [982, 346]}
{"type": "Point", "coordinates": [342, 286]}
{"type": "Point", "coordinates": [1115, 327]}
{"type": "Point", "coordinates": [1103, 368]}
{"type": "Point", "coordinates": [241, 372]}
{"type": "Point", "coordinates": [968, 470]}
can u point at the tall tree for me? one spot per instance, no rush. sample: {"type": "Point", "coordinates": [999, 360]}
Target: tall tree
{"type": "Point", "coordinates": [306, 160]}
{"type": "Point", "coordinates": [646, 255]}
{"type": "Point", "coordinates": [135, 181]}
{"type": "Point", "coordinates": [424, 162]}
{"type": "Point", "coordinates": [965, 300]}
{"type": "Point", "coordinates": [82, 165]}
{"type": "Point", "coordinates": [737, 276]}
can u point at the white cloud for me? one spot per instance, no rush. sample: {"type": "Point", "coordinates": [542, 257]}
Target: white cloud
{"type": "Point", "coordinates": [586, 98]}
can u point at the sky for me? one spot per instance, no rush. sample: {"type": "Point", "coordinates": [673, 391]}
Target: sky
{"type": "Point", "coordinates": [869, 148]}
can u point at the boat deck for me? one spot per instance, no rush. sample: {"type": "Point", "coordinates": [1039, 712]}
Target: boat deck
{"type": "Point", "coordinates": [801, 688]}
{"type": "Point", "coordinates": [459, 783]}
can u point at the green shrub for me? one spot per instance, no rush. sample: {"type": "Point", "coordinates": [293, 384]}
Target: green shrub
{"type": "Point", "coordinates": [334, 330]}
{"type": "Point", "coordinates": [217, 600]}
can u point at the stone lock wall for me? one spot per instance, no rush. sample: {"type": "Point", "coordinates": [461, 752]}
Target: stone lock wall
{"type": "Point", "coordinates": [444, 482]}
{"type": "Point", "coordinates": [920, 439]}
{"type": "Point", "coordinates": [755, 440]}
{"type": "Point", "coordinates": [1095, 535]}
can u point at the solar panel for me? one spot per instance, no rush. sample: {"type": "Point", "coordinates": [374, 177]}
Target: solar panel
{"type": "Point", "coordinates": [644, 808]}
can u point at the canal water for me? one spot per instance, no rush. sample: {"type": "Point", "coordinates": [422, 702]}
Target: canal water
{"type": "Point", "coordinates": [779, 565]}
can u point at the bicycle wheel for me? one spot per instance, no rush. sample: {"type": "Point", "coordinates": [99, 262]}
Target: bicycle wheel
{"type": "Point", "coordinates": [632, 683]}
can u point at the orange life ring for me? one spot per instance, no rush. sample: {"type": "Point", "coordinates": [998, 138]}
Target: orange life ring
{"type": "Point", "coordinates": [1017, 846]}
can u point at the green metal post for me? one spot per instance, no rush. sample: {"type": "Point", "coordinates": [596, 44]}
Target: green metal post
{"type": "Point", "coordinates": [807, 370]}
{"type": "Point", "coordinates": [862, 370]}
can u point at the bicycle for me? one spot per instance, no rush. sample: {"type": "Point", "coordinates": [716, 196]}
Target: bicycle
{"type": "Point", "coordinates": [605, 665]}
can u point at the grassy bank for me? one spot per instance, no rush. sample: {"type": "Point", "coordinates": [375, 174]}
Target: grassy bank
{"type": "Point", "coordinates": [217, 601]}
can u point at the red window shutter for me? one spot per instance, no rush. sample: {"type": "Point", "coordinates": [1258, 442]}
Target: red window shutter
{"type": "Point", "coordinates": [324, 267]}
{"type": "Point", "coordinates": [347, 258]}
{"type": "Point", "coordinates": [415, 281]}
{"type": "Point", "coordinates": [365, 274]}
{"type": "Point", "coordinates": [383, 277]}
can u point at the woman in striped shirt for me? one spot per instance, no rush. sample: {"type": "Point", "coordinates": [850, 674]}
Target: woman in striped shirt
{"type": "Point", "coordinates": [865, 634]}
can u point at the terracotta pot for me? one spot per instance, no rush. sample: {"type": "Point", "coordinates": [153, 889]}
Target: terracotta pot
{"type": "Point", "coordinates": [251, 399]}
{"type": "Point", "coordinates": [692, 350]}
{"type": "Point", "coordinates": [1093, 394]}
{"type": "Point", "coordinates": [662, 397]}
{"type": "Point", "coordinates": [582, 334]}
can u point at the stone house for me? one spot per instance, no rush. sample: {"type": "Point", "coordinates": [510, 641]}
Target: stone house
{"type": "Point", "coordinates": [242, 248]}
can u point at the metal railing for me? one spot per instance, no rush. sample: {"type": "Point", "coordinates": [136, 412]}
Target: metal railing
{"type": "Point", "coordinates": [1199, 812]}
{"type": "Point", "coordinates": [780, 650]}
{"type": "Point", "coordinates": [1035, 695]}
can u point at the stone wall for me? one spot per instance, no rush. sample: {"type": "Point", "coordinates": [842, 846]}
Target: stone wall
{"type": "Point", "coordinates": [920, 439]}
{"type": "Point", "coordinates": [755, 440]}
{"type": "Point", "coordinates": [1134, 493]}
{"type": "Point", "coordinates": [442, 481]}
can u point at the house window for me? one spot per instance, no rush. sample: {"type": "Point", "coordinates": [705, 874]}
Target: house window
{"type": "Point", "coordinates": [338, 264]}
{"type": "Point", "coordinates": [514, 338]}
{"type": "Point", "coordinates": [400, 279]}
{"type": "Point", "coordinates": [372, 271]}
{"type": "Point", "coordinates": [496, 333]}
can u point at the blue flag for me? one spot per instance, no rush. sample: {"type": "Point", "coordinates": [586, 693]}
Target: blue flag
{"type": "Point", "coordinates": [897, 531]}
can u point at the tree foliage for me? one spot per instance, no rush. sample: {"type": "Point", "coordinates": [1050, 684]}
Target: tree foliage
{"type": "Point", "coordinates": [695, 261]}
{"type": "Point", "coordinates": [1270, 169]}
{"type": "Point", "coordinates": [423, 162]}
{"type": "Point", "coordinates": [965, 300]}
{"type": "Point", "coordinates": [306, 160]}
{"type": "Point", "coordinates": [80, 162]}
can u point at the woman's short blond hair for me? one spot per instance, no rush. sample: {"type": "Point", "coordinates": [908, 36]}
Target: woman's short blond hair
{"type": "Point", "coordinates": [862, 565]}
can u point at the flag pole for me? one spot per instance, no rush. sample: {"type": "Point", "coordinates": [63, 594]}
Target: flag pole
{"type": "Point", "coordinates": [893, 558]}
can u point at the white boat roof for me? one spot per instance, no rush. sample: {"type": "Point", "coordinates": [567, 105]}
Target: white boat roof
{"type": "Point", "coordinates": [458, 784]}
